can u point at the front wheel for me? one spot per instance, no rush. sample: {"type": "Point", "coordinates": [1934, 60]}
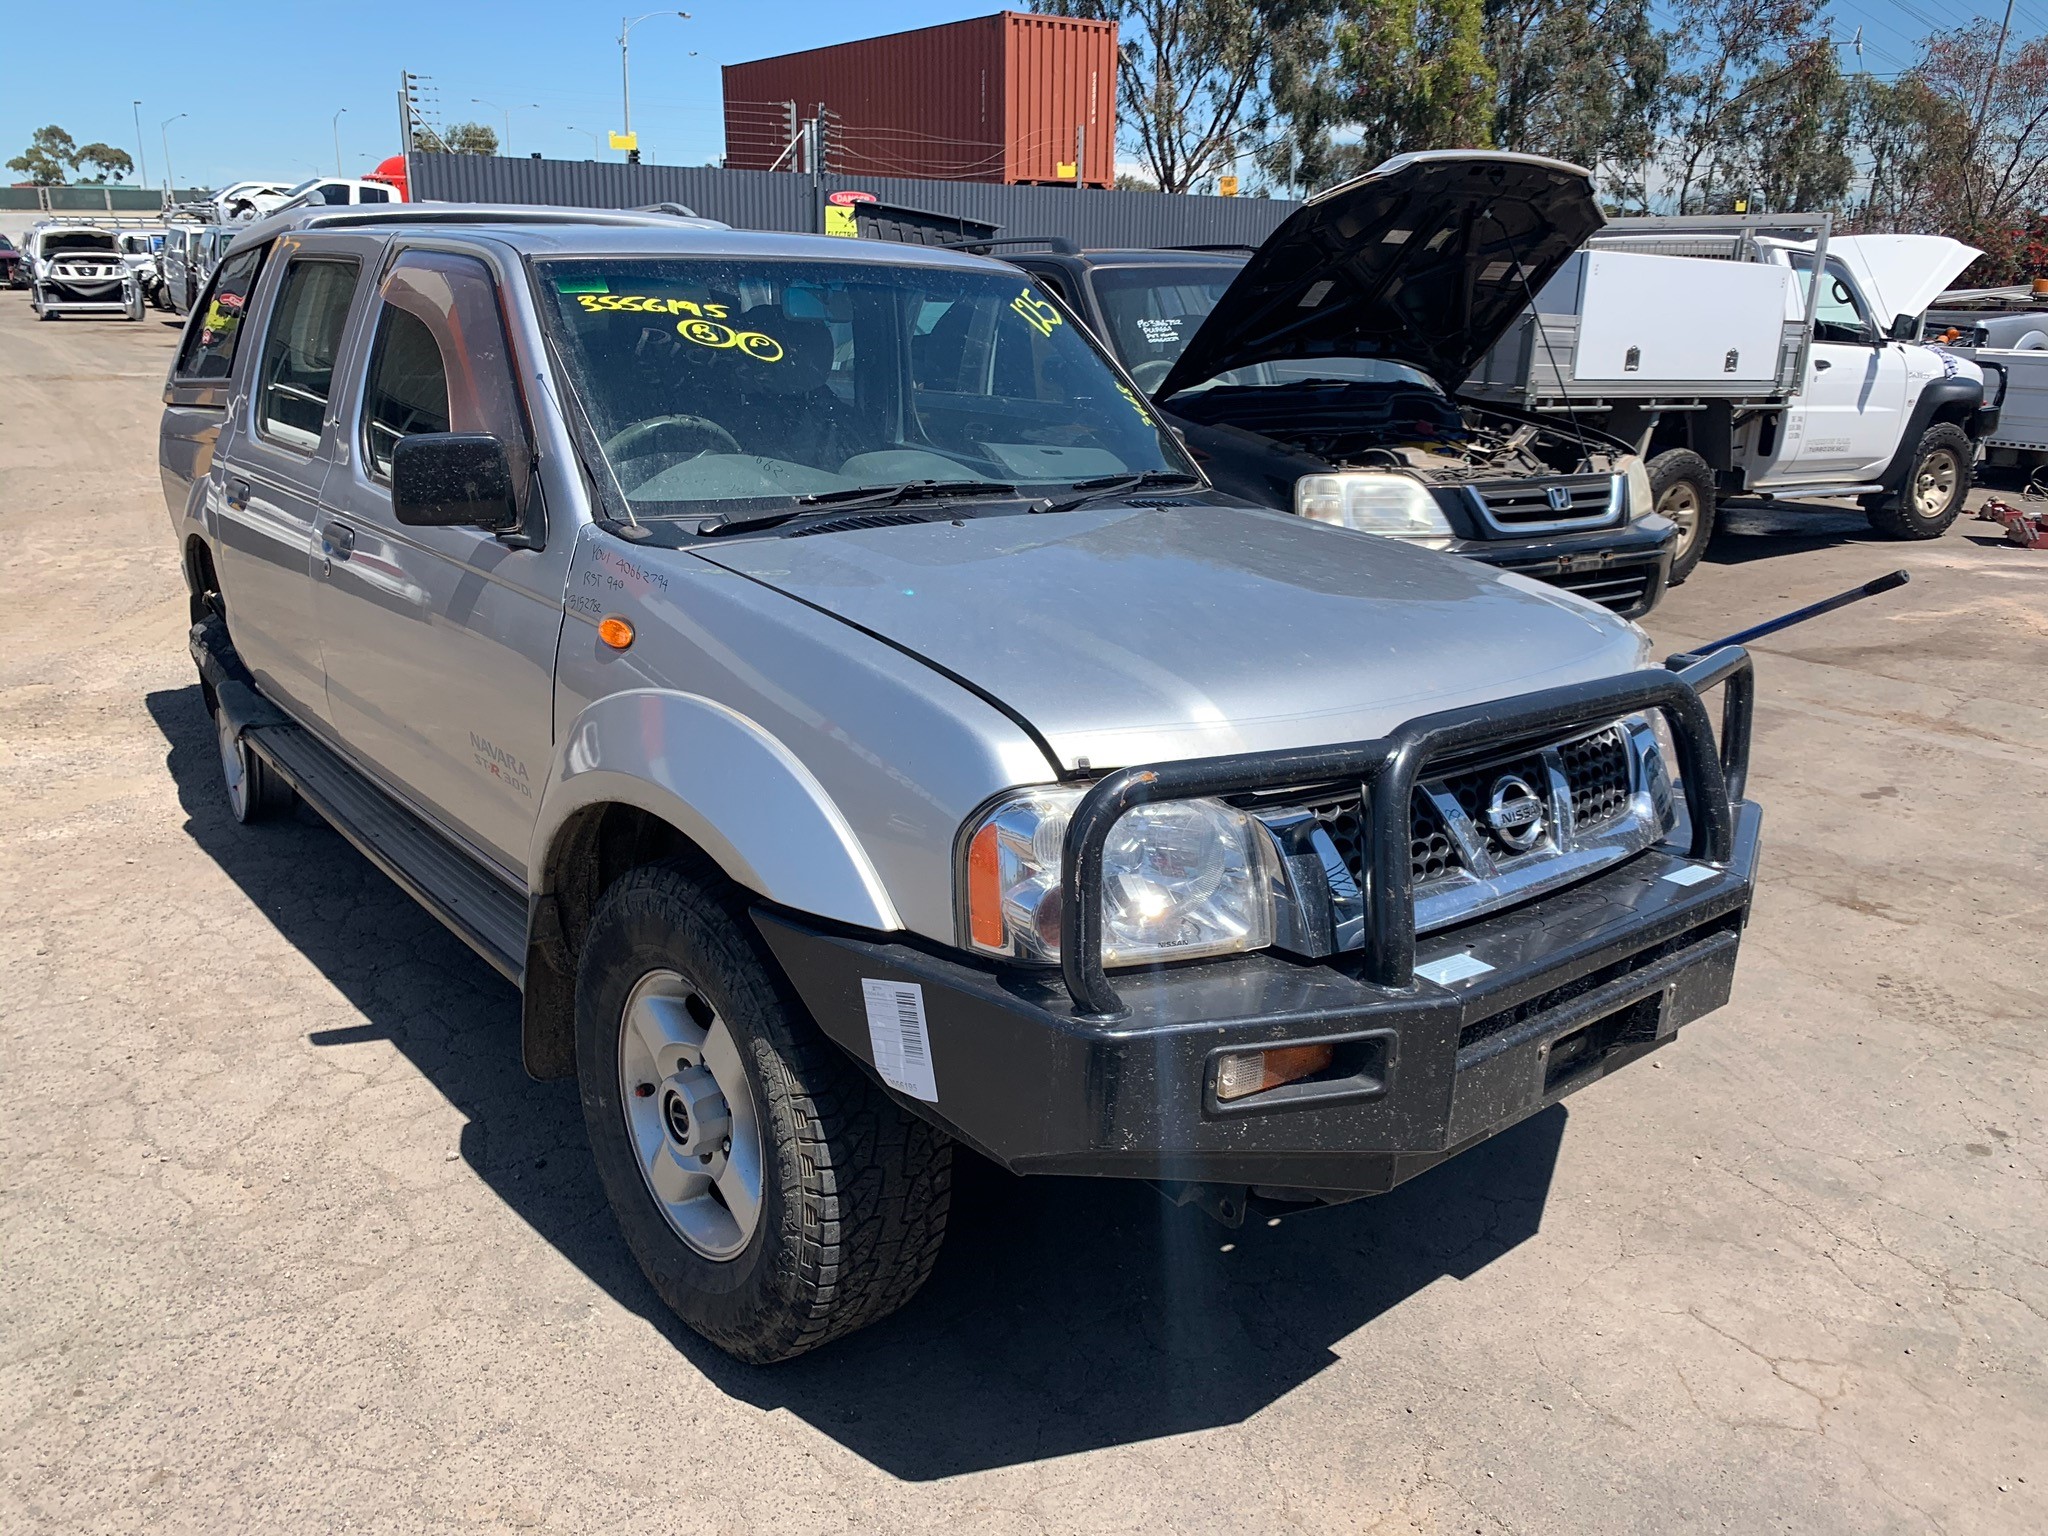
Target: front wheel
{"type": "Point", "coordinates": [1682, 489]}
{"type": "Point", "coordinates": [1936, 483]}
{"type": "Point", "coordinates": [773, 1195]}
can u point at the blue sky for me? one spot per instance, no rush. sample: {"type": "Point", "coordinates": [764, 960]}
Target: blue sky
{"type": "Point", "coordinates": [260, 83]}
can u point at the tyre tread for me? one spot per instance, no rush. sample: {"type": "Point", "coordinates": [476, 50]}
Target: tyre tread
{"type": "Point", "coordinates": [875, 1182]}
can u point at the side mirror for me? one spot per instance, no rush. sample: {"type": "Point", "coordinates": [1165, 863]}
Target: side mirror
{"type": "Point", "coordinates": [452, 480]}
{"type": "Point", "coordinates": [1905, 328]}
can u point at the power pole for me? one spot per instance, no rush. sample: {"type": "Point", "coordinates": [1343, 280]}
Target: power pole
{"type": "Point", "coordinates": [141, 150]}
{"type": "Point", "coordinates": [1991, 75]}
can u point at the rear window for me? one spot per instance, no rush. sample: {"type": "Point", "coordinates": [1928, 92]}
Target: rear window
{"type": "Point", "coordinates": [299, 354]}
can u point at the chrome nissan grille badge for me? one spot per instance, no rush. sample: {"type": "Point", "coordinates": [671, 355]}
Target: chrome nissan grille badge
{"type": "Point", "coordinates": [1515, 812]}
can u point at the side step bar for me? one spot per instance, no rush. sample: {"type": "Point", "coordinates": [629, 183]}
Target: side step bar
{"type": "Point", "coordinates": [481, 909]}
{"type": "Point", "coordinates": [485, 913]}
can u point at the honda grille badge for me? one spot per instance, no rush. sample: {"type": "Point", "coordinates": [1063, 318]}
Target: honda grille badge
{"type": "Point", "coordinates": [1515, 813]}
{"type": "Point", "coordinates": [1559, 497]}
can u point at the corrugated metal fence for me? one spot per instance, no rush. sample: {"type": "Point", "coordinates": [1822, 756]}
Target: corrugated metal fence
{"type": "Point", "coordinates": [784, 201]}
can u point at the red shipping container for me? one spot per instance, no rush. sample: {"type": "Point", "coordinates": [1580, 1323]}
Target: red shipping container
{"type": "Point", "coordinates": [1013, 97]}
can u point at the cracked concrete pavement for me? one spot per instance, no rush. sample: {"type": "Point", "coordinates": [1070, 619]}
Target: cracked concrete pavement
{"type": "Point", "coordinates": [290, 1242]}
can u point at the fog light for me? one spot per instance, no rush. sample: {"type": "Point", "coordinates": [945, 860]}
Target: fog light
{"type": "Point", "coordinates": [1245, 1073]}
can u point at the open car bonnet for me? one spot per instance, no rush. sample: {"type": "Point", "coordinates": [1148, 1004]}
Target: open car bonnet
{"type": "Point", "coordinates": [1424, 260]}
{"type": "Point", "coordinates": [1903, 274]}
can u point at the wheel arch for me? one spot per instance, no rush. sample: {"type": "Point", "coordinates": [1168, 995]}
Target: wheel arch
{"type": "Point", "coordinates": [651, 775]}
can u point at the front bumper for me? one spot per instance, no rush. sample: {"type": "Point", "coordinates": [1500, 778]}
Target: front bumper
{"type": "Point", "coordinates": [1572, 989]}
{"type": "Point", "coordinates": [94, 296]}
{"type": "Point", "coordinates": [1622, 569]}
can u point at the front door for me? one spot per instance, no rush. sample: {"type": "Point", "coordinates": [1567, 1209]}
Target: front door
{"type": "Point", "coordinates": [269, 481]}
{"type": "Point", "coordinates": [440, 642]}
{"type": "Point", "coordinates": [1847, 421]}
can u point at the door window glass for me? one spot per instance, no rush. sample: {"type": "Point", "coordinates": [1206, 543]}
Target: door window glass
{"type": "Point", "coordinates": [408, 388]}
{"type": "Point", "coordinates": [209, 350]}
{"type": "Point", "coordinates": [1839, 316]}
{"type": "Point", "coordinates": [441, 362]}
{"type": "Point", "coordinates": [299, 352]}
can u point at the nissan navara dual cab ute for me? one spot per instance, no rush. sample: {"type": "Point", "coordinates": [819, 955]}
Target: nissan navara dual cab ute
{"type": "Point", "coordinates": [1319, 373]}
{"type": "Point", "coordinates": [811, 671]}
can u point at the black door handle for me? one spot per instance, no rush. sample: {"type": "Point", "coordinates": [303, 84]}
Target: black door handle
{"type": "Point", "coordinates": [238, 495]}
{"type": "Point", "coordinates": [337, 541]}
{"type": "Point", "coordinates": [1820, 363]}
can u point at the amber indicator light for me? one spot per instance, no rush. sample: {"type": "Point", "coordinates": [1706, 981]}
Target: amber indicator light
{"type": "Point", "coordinates": [615, 632]}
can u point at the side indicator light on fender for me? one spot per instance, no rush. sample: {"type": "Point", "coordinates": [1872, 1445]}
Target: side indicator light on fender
{"type": "Point", "coordinates": [615, 632]}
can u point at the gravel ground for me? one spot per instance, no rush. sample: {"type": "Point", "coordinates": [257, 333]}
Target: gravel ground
{"type": "Point", "coordinates": [291, 1242]}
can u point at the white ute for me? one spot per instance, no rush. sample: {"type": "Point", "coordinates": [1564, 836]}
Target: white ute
{"type": "Point", "coordinates": [1756, 356]}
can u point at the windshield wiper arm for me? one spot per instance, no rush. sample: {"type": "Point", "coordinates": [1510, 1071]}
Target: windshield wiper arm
{"type": "Point", "coordinates": [858, 496]}
{"type": "Point", "coordinates": [1112, 485]}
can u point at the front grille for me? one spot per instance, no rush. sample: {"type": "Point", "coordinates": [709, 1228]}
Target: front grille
{"type": "Point", "coordinates": [1597, 768]}
{"type": "Point", "coordinates": [1604, 795]}
{"type": "Point", "coordinates": [1524, 506]}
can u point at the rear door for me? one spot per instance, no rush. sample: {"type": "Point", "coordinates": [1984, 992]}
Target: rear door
{"type": "Point", "coordinates": [202, 383]}
{"type": "Point", "coordinates": [440, 642]}
{"type": "Point", "coordinates": [268, 481]}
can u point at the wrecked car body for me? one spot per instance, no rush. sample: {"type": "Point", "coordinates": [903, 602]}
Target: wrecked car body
{"type": "Point", "coordinates": [80, 269]}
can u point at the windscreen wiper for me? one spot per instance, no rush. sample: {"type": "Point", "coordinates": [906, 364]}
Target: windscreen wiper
{"type": "Point", "coordinates": [1114, 485]}
{"type": "Point", "coordinates": [858, 496]}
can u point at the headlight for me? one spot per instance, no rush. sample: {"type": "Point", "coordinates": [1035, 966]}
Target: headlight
{"type": "Point", "coordinates": [1641, 499]}
{"type": "Point", "coordinates": [1397, 506]}
{"type": "Point", "coordinates": [1180, 879]}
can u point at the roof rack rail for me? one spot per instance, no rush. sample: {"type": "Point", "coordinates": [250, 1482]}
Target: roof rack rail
{"type": "Point", "coordinates": [477, 213]}
{"type": "Point", "coordinates": [1221, 245]}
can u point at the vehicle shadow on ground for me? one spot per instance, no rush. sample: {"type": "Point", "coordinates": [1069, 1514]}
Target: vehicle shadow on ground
{"type": "Point", "coordinates": [1756, 530]}
{"type": "Point", "coordinates": [1065, 1314]}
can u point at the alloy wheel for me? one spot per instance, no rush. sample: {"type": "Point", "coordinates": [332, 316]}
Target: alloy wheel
{"type": "Point", "coordinates": [1934, 483]}
{"type": "Point", "coordinates": [690, 1112]}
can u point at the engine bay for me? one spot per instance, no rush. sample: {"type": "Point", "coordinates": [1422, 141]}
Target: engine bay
{"type": "Point", "coordinates": [1399, 425]}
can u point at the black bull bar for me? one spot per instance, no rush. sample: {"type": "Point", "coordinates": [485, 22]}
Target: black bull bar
{"type": "Point", "coordinates": [1712, 776]}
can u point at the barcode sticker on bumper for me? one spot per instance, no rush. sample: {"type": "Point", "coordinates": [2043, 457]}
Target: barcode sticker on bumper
{"type": "Point", "coordinates": [902, 1045]}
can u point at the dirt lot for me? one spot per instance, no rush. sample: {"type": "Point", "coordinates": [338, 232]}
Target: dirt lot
{"type": "Point", "coordinates": [291, 1243]}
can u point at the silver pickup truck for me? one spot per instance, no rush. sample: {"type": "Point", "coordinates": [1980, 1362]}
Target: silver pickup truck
{"type": "Point", "coordinates": [814, 675]}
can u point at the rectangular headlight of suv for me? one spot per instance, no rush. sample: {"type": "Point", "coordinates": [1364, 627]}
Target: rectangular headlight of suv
{"type": "Point", "coordinates": [1181, 879]}
{"type": "Point", "coordinates": [1394, 506]}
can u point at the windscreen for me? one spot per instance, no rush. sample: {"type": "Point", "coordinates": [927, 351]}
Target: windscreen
{"type": "Point", "coordinates": [726, 381]}
{"type": "Point", "coordinates": [1152, 311]}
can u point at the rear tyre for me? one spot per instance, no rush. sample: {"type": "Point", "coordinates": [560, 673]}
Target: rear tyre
{"type": "Point", "coordinates": [255, 791]}
{"type": "Point", "coordinates": [773, 1195]}
{"type": "Point", "coordinates": [1682, 489]}
{"type": "Point", "coordinates": [1936, 483]}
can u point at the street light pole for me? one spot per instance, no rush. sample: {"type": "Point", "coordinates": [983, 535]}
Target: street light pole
{"type": "Point", "coordinates": [335, 123]}
{"type": "Point", "coordinates": [626, 26]}
{"type": "Point", "coordinates": [596, 138]}
{"type": "Point", "coordinates": [522, 106]}
{"type": "Point", "coordinates": [170, 176]}
{"type": "Point", "coordinates": [141, 149]}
